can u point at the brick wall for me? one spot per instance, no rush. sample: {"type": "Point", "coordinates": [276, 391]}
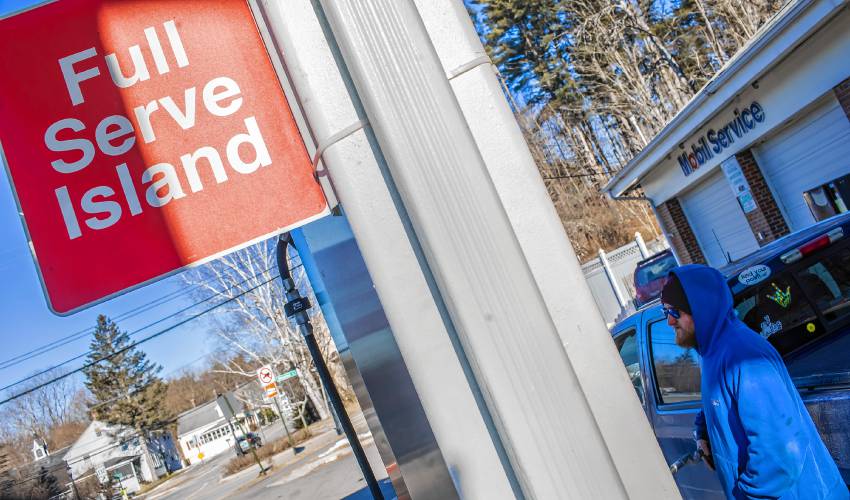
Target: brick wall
{"type": "Point", "coordinates": [682, 237]}
{"type": "Point", "coordinates": [842, 92]}
{"type": "Point", "coordinates": [767, 221]}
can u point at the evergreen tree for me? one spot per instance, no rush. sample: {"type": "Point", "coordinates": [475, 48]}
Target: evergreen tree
{"type": "Point", "coordinates": [592, 81]}
{"type": "Point", "coordinates": [125, 384]}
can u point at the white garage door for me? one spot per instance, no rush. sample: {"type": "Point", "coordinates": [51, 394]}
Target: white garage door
{"type": "Point", "coordinates": [717, 221]}
{"type": "Point", "coordinates": [807, 154]}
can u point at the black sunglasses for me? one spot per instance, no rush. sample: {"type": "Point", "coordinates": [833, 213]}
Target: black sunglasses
{"type": "Point", "coordinates": [671, 311]}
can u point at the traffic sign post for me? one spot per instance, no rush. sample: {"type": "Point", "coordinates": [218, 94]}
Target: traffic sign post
{"type": "Point", "coordinates": [102, 476]}
{"type": "Point", "coordinates": [144, 137]}
{"type": "Point", "coordinates": [267, 379]}
{"type": "Point", "coordinates": [265, 374]}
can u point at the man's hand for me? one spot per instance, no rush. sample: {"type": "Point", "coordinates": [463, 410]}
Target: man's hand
{"type": "Point", "coordinates": [703, 446]}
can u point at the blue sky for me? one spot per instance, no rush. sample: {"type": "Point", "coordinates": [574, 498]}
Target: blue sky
{"type": "Point", "coordinates": [28, 324]}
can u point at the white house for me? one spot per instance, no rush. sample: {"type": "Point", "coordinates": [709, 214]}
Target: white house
{"type": "Point", "coordinates": [763, 149]}
{"type": "Point", "coordinates": [204, 431]}
{"type": "Point", "coordinates": [116, 452]}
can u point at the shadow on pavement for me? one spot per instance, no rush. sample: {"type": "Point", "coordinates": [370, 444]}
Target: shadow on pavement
{"type": "Point", "coordinates": [364, 494]}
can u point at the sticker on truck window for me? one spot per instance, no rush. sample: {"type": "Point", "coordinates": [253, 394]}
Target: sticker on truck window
{"type": "Point", "coordinates": [754, 274]}
{"type": "Point", "coordinates": [783, 298]}
{"type": "Point", "coordinates": [768, 327]}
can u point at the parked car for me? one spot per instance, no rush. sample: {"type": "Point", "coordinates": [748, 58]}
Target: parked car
{"type": "Point", "coordinates": [651, 274]}
{"type": "Point", "coordinates": [245, 443]}
{"type": "Point", "coordinates": [796, 293]}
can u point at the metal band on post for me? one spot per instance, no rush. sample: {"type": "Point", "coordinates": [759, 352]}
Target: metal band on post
{"type": "Point", "coordinates": [335, 138]}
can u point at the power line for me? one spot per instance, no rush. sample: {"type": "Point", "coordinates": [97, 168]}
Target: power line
{"type": "Point", "coordinates": [120, 351]}
{"type": "Point", "coordinates": [176, 313]}
{"type": "Point", "coordinates": [122, 440]}
{"type": "Point", "coordinates": [574, 176]}
{"type": "Point", "coordinates": [74, 336]}
{"type": "Point", "coordinates": [133, 393]}
{"type": "Point", "coordinates": [78, 335]}
{"type": "Point", "coordinates": [125, 315]}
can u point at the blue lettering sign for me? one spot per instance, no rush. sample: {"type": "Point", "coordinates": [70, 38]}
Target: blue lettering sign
{"type": "Point", "coordinates": [715, 141]}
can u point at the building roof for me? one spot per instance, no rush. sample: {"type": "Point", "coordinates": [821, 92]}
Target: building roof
{"type": "Point", "coordinates": [119, 460]}
{"type": "Point", "coordinates": [204, 415]}
{"type": "Point", "coordinates": [797, 20]}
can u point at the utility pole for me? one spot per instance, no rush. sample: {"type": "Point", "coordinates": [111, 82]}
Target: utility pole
{"type": "Point", "coordinates": [296, 307]}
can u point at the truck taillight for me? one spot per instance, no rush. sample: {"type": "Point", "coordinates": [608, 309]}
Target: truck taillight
{"type": "Point", "coordinates": [813, 246]}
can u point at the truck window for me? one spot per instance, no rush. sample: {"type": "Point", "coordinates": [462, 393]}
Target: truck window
{"type": "Point", "coordinates": [778, 310]}
{"type": "Point", "coordinates": [676, 369]}
{"type": "Point", "coordinates": [804, 312]}
{"type": "Point", "coordinates": [827, 283]}
{"type": "Point", "coordinates": [627, 346]}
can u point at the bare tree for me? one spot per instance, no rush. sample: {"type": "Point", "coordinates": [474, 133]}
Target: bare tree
{"type": "Point", "coordinates": [591, 81]}
{"type": "Point", "coordinates": [56, 412]}
{"type": "Point", "coordinates": [252, 329]}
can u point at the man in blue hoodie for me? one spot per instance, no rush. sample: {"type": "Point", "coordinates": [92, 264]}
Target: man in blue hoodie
{"type": "Point", "coordinates": [753, 425]}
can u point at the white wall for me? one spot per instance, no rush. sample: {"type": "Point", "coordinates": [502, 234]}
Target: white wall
{"type": "Point", "coordinates": [209, 449]}
{"type": "Point", "coordinates": [98, 448]}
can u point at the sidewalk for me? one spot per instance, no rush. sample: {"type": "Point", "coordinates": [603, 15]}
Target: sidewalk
{"type": "Point", "coordinates": [325, 469]}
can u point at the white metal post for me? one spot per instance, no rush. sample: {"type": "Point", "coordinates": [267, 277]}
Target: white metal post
{"type": "Point", "coordinates": [457, 416]}
{"type": "Point", "coordinates": [644, 252]}
{"type": "Point", "coordinates": [612, 280]}
{"type": "Point", "coordinates": [490, 279]}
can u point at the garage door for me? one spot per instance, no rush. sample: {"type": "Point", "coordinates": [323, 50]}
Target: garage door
{"type": "Point", "coordinates": [718, 222]}
{"type": "Point", "coordinates": [807, 154]}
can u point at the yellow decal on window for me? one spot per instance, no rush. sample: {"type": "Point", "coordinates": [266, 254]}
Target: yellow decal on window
{"type": "Point", "coordinates": [780, 297]}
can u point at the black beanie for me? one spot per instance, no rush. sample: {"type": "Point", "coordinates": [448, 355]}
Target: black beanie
{"type": "Point", "coordinates": [674, 295]}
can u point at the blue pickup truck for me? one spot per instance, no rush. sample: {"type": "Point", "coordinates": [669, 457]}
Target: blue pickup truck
{"type": "Point", "coordinates": [796, 293]}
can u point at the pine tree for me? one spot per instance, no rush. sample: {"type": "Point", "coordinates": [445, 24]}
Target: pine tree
{"type": "Point", "coordinates": [125, 384]}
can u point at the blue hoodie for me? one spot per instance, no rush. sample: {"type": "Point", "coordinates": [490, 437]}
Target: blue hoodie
{"type": "Point", "coordinates": [762, 438]}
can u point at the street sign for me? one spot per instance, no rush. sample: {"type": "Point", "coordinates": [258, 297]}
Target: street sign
{"type": "Point", "coordinates": [144, 137]}
{"type": "Point", "coordinates": [286, 376]}
{"type": "Point", "coordinates": [102, 476]}
{"type": "Point", "coordinates": [270, 390]}
{"type": "Point", "coordinates": [265, 374]}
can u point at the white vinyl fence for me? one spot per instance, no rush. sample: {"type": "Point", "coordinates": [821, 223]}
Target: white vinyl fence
{"type": "Point", "coordinates": [610, 275]}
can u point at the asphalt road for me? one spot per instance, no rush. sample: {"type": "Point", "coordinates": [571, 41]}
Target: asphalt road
{"type": "Point", "coordinates": [326, 469]}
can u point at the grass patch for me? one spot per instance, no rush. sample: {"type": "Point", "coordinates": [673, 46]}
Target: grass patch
{"type": "Point", "coordinates": [146, 487]}
{"type": "Point", "coordinates": [268, 450]}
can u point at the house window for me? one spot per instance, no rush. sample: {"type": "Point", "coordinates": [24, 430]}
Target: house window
{"type": "Point", "coordinates": [829, 199]}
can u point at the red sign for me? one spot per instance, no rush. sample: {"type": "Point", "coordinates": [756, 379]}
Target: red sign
{"type": "Point", "coordinates": [145, 136]}
{"type": "Point", "coordinates": [265, 374]}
